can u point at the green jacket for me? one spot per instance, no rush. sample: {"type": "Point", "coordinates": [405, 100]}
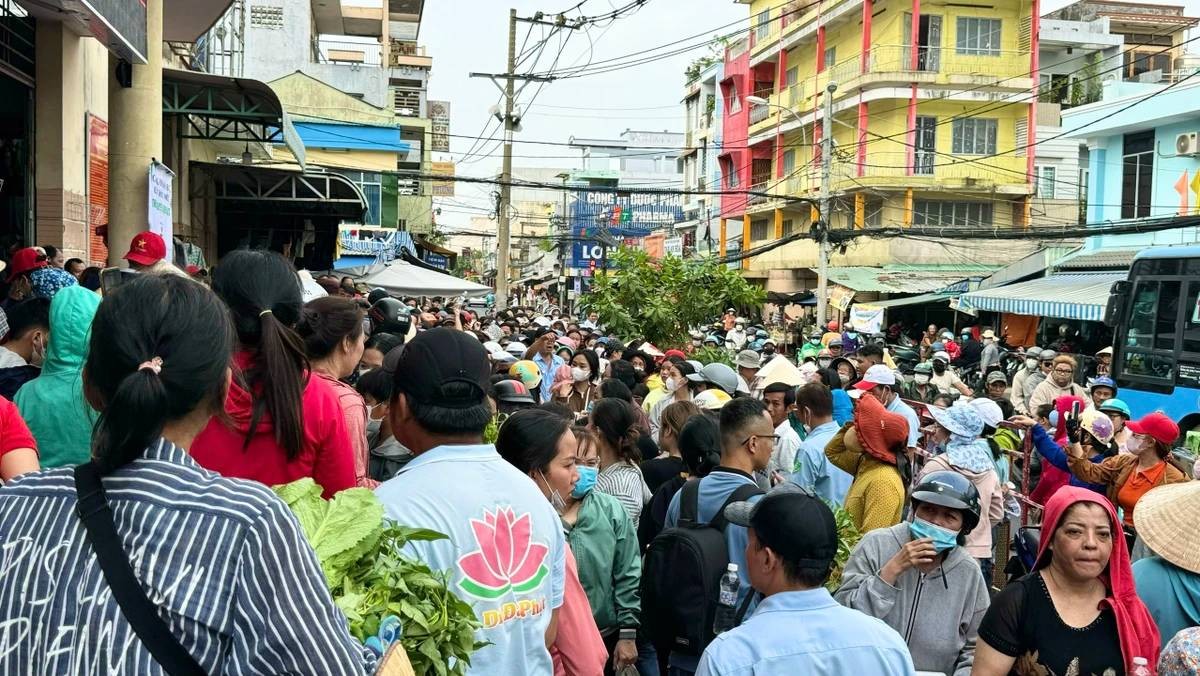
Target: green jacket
{"type": "Point", "coordinates": [52, 404]}
{"type": "Point", "coordinates": [610, 566]}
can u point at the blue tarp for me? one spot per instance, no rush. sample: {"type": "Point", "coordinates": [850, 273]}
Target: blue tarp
{"type": "Point", "coordinates": [351, 137]}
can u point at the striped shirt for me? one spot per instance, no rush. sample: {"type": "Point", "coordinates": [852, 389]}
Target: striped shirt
{"type": "Point", "coordinates": [624, 482]}
{"type": "Point", "coordinates": [224, 560]}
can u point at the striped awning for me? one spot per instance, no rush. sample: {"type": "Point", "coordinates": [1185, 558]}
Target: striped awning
{"type": "Point", "coordinates": [1068, 296]}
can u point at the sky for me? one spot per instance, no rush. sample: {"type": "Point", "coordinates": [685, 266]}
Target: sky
{"type": "Point", "coordinates": [465, 36]}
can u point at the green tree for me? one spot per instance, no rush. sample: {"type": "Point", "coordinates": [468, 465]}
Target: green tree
{"type": "Point", "coordinates": [659, 300]}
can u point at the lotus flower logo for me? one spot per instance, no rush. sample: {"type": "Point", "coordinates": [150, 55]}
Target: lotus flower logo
{"type": "Point", "coordinates": [506, 560]}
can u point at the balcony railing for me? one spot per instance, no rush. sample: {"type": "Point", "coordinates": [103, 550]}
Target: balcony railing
{"type": "Point", "coordinates": [407, 53]}
{"type": "Point", "coordinates": [759, 113]}
{"type": "Point", "coordinates": [965, 173]}
{"type": "Point", "coordinates": [347, 52]}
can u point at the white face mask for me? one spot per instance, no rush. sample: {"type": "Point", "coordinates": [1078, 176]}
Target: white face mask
{"type": "Point", "coordinates": [556, 498]}
{"type": "Point", "coordinates": [921, 378]}
{"type": "Point", "coordinates": [599, 350]}
{"type": "Point", "coordinates": [824, 363]}
{"type": "Point", "coordinates": [844, 377]}
{"type": "Point", "coordinates": [579, 375]}
{"type": "Point", "coordinates": [1031, 364]}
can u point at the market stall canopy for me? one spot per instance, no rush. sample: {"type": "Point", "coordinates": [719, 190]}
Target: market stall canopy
{"type": "Point", "coordinates": [904, 278]}
{"type": "Point", "coordinates": [403, 278]}
{"type": "Point", "coordinates": [1068, 296]}
{"type": "Point", "coordinates": [798, 298]}
{"type": "Point", "coordinates": [780, 370]}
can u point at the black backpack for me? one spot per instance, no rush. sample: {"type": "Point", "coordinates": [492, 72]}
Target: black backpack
{"type": "Point", "coordinates": [681, 574]}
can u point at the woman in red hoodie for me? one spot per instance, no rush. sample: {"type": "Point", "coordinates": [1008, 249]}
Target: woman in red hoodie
{"type": "Point", "coordinates": [279, 423]}
{"type": "Point", "coordinates": [332, 331]}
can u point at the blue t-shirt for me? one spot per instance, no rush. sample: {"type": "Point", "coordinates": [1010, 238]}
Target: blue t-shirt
{"type": "Point", "coordinates": [548, 368]}
{"type": "Point", "coordinates": [806, 632]}
{"type": "Point", "coordinates": [506, 552]}
{"type": "Point", "coordinates": [814, 472]}
{"type": "Point", "coordinates": [914, 423]}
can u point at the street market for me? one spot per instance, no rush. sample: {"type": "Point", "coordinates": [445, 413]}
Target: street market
{"type": "Point", "coordinates": [686, 346]}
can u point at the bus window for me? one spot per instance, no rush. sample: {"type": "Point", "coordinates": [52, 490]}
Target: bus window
{"type": "Point", "coordinates": [1152, 315]}
{"type": "Point", "coordinates": [1168, 312]}
{"type": "Point", "coordinates": [1146, 365]}
{"type": "Point", "coordinates": [1191, 319]}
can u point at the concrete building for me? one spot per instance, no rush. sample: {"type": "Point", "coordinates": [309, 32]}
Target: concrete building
{"type": "Point", "coordinates": [1155, 34]}
{"type": "Point", "coordinates": [700, 232]}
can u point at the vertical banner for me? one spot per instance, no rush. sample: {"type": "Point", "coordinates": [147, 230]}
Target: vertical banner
{"type": "Point", "coordinates": [160, 216]}
{"type": "Point", "coordinates": [97, 189]}
{"type": "Point", "coordinates": [439, 126]}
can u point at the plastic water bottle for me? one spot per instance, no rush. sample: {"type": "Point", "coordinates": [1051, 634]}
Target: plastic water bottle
{"type": "Point", "coordinates": [726, 615]}
{"type": "Point", "coordinates": [1141, 667]}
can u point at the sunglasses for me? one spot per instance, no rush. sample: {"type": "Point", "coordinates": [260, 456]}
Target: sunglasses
{"type": "Point", "coordinates": [772, 437]}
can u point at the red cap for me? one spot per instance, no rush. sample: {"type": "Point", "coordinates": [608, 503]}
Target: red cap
{"type": "Point", "coordinates": [674, 353]}
{"type": "Point", "coordinates": [1156, 425]}
{"type": "Point", "coordinates": [25, 260]}
{"type": "Point", "coordinates": [147, 248]}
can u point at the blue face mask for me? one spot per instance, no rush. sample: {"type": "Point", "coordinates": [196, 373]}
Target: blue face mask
{"type": "Point", "coordinates": [943, 539]}
{"type": "Point", "coordinates": [587, 481]}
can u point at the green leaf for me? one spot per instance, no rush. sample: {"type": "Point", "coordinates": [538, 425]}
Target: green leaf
{"type": "Point", "coordinates": [304, 498]}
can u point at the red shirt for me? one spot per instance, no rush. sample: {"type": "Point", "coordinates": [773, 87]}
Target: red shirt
{"type": "Point", "coordinates": [14, 433]}
{"type": "Point", "coordinates": [327, 454]}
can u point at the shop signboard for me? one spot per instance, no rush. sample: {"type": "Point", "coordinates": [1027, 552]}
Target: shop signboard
{"type": "Point", "coordinates": [673, 246]}
{"type": "Point", "coordinates": [439, 126]}
{"type": "Point", "coordinates": [443, 187]}
{"type": "Point", "coordinates": [97, 188]}
{"type": "Point", "coordinates": [160, 217]}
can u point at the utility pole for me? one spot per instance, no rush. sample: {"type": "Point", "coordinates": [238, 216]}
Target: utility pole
{"type": "Point", "coordinates": [506, 168]}
{"type": "Point", "coordinates": [511, 124]}
{"type": "Point", "coordinates": [825, 208]}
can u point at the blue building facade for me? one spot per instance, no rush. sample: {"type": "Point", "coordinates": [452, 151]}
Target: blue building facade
{"type": "Point", "coordinates": [1135, 170]}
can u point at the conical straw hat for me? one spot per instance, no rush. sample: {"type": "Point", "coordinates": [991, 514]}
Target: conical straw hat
{"type": "Point", "coordinates": [1166, 518]}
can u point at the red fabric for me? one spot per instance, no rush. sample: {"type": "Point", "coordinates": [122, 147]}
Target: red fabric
{"type": "Point", "coordinates": [14, 433]}
{"type": "Point", "coordinates": [1054, 478]}
{"type": "Point", "coordinates": [327, 454]}
{"type": "Point", "coordinates": [578, 648]}
{"type": "Point", "coordinates": [354, 411]}
{"type": "Point", "coordinates": [953, 349]}
{"type": "Point", "coordinates": [1136, 629]}
{"type": "Point", "coordinates": [1157, 425]}
{"type": "Point", "coordinates": [879, 431]}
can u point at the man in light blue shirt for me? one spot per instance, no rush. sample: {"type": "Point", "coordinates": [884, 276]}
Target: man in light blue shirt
{"type": "Point", "coordinates": [544, 339]}
{"type": "Point", "coordinates": [813, 471]}
{"type": "Point", "coordinates": [880, 382]}
{"type": "Point", "coordinates": [798, 628]}
{"type": "Point", "coordinates": [505, 552]}
{"type": "Point", "coordinates": [747, 440]}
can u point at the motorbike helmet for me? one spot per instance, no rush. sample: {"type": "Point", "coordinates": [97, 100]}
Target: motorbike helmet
{"type": "Point", "coordinates": [953, 490]}
{"type": "Point", "coordinates": [833, 326]}
{"type": "Point", "coordinates": [924, 367]}
{"type": "Point", "coordinates": [1116, 406]}
{"type": "Point", "coordinates": [376, 295]}
{"type": "Point", "coordinates": [512, 392]}
{"type": "Point", "coordinates": [389, 315]}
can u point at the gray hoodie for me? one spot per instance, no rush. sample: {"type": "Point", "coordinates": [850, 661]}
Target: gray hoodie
{"type": "Point", "coordinates": [937, 616]}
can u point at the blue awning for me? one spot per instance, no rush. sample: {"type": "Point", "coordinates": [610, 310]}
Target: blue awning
{"type": "Point", "coordinates": [351, 137]}
{"type": "Point", "coordinates": [1068, 296]}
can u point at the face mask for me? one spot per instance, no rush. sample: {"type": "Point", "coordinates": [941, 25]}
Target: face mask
{"type": "Point", "coordinates": [844, 377]}
{"type": "Point", "coordinates": [579, 375]}
{"type": "Point", "coordinates": [556, 498]}
{"type": "Point", "coordinates": [373, 427]}
{"type": "Point", "coordinates": [695, 343]}
{"type": "Point", "coordinates": [672, 384]}
{"type": "Point", "coordinates": [1031, 364]}
{"type": "Point", "coordinates": [852, 334]}
{"type": "Point", "coordinates": [587, 481]}
{"type": "Point", "coordinates": [921, 378]}
{"type": "Point", "coordinates": [939, 367]}
{"type": "Point", "coordinates": [943, 539]}
{"type": "Point", "coordinates": [599, 350]}
{"type": "Point", "coordinates": [639, 370]}
{"type": "Point", "coordinates": [768, 350]}
{"type": "Point", "coordinates": [824, 363]}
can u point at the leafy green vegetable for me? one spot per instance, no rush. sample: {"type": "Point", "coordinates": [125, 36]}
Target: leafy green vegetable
{"type": "Point", "coordinates": [369, 579]}
{"type": "Point", "coordinates": [848, 537]}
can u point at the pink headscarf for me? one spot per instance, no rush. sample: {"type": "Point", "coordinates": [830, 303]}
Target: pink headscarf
{"type": "Point", "coordinates": [1136, 630]}
{"type": "Point", "coordinates": [1054, 478]}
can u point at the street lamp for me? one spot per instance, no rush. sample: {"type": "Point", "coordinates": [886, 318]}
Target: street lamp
{"type": "Point", "coordinates": [824, 208]}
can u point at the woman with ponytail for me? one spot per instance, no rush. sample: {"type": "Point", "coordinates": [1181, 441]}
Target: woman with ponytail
{"type": "Point", "coordinates": [279, 424]}
{"type": "Point", "coordinates": [160, 566]}
{"type": "Point", "coordinates": [617, 426]}
{"type": "Point", "coordinates": [332, 330]}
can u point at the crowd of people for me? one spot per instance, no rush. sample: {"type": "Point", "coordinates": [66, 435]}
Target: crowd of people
{"type": "Point", "coordinates": [610, 507]}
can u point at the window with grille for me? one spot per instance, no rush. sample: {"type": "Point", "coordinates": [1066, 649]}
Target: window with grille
{"type": "Point", "coordinates": [978, 36]}
{"type": "Point", "coordinates": [873, 218]}
{"type": "Point", "coordinates": [371, 185]}
{"type": "Point", "coordinates": [732, 102]}
{"type": "Point", "coordinates": [763, 25]}
{"type": "Point", "coordinates": [944, 212]}
{"type": "Point", "coordinates": [759, 229]}
{"type": "Point", "coordinates": [789, 226]}
{"type": "Point", "coordinates": [1044, 181]}
{"type": "Point", "coordinates": [1137, 175]}
{"type": "Point", "coordinates": [789, 163]}
{"type": "Point", "coordinates": [266, 16]}
{"type": "Point", "coordinates": [974, 136]}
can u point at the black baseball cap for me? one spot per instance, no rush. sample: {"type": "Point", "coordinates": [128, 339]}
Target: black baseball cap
{"type": "Point", "coordinates": [798, 525]}
{"type": "Point", "coordinates": [539, 332]}
{"type": "Point", "coordinates": [438, 357]}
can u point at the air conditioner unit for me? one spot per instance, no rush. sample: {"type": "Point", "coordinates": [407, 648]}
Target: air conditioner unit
{"type": "Point", "coordinates": [1188, 144]}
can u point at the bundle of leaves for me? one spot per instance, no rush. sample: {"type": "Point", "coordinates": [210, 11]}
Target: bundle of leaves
{"type": "Point", "coordinates": [848, 537]}
{"type": "Point", "coordinates": [369, 580]}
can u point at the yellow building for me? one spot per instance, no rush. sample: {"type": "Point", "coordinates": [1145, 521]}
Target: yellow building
{"type": "Point", "coordinates": [931, 116]}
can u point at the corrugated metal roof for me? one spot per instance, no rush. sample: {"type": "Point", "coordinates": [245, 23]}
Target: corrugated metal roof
{"type": "Point", "coordinates": [1066, 296]}
{"type": "Point", "coordinates": [906, 279]}
{"type": "Point", "coordinates": [1103, 259]}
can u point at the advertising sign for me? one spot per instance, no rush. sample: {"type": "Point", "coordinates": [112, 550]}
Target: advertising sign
{"type": "Point", "coordinates": [97, 189]}
{"type": "Point", "coordinates": [439, 129]}
{"type": "Point", "coordinates": [120, 25]}
{"type": "Point", "coordinates": [160, 217]}
{"type": "Point", "coordinates": [437, 260]}
{"type": "Point", "coordinates": [443, 188]}
{"type": "Point", "coordinates": [673, 246]}
{"type": "Point", "coordinates": [653, 244]}
{"type": "Point", "coordinates": [625, 214]}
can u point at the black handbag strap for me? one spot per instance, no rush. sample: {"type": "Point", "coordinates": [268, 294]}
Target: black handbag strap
{"type": "Point", "coordinates": [137, 608]}
{"type": "Point", "coordinates": [689, 503]}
